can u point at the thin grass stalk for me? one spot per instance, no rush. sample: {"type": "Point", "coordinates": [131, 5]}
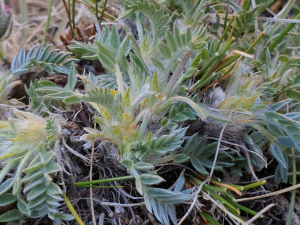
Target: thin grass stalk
{"type": "Point", "coordinates": [73, 16]}
{"type": "Point", "coordinates": [91, 6]}
{"type": "Point", "coordinates": [69, 4]}
{"type": "Point", "coordinates": [69, 17]}
{"type": "Point", "coordinates": [234, 58]}
{"type": "Point", "coordinates": [226, 16]}
{"type": "Point", "coordinates": [91, 188]}
{"type": "Point", "coordinates": [72, 210]}
{"type": "Point", "coordinates": [80, 184]}
{"type": "Point", "coordinates": [283, 34]}
{"type": "Point", "coordinates": [254, 185]}
{"type": "Point", "coordinates": [283, 13]}
{"type": "Point", "coordinates": [48, 20]}
{"type": "Point", "coordinates": [291, 210]}
{"type": "Point", "coordinates": [102, 13]}
{"type": "Point", "coordinates": [241, 207]}
{"type": "Point", "coordinates": [225, 32]}
{"type": "Point", "coordinates": [210, 219]}
{"type": "Point", "coordinates": [24, 19]}
{"type": "Point", "coordinates": [97, 10]}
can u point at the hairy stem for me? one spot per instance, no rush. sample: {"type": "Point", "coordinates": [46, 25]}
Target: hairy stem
{"type": "Point", "coordinates": [177, 73]}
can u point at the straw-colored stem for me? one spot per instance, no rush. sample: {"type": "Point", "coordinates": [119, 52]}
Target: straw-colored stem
{"type": "Point", "coordinates": [72, 210]}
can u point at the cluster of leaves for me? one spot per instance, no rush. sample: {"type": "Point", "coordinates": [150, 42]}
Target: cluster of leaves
{"type": "Point", "coordinates": [27, 148]}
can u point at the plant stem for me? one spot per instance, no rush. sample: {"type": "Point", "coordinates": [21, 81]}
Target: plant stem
{"type": "Point", "coordinates": [177, 73]}
{"type": "Point", "coordinates": [245, 209]}
{"type": "Point", "coordinates": [102, 13]}
{"type": "Point", "coordinates": [24, 19]}
{"type": "Point", "coordinates": [226, 16]}
{"type": "Point", "coordinates": [291, 210]}
{"type": "Point", "coordinates": [73, 16]}
{"type": "Point", "coordinates": [91, 178]}
{"type": "Point", "coordinates": [210, 219]}
{"type": "Point", "coordinates": [97, 10]}
{"type": "Point", "coordinates": [282, 34]}
{"type": "Point", "coordinates": [234, 58]}
{"type": "Point", "coordinates": [73, 211]}
{"type": "Point", "coordinates": [80, 184]}
{"type": "Point", "coordinates": [254, 185]}
{"type": "Point", "coordinates": [48, 20]}
{"type": "Point", "coordinates": [69, 17]}
{"type": "Point", "coordinates": [225, 32]}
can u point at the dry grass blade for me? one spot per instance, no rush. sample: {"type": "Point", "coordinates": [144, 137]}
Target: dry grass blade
{"type": "Point", "coordinates": [218, 148]}
{"type": "Point", "coordinates": [270, 194]}
{"type": "Point", "coordinates": [260, 213]}
{"type": "Point", "coordinates": [193, 203]}
{"type": "Point", "coordinates": [91, 189]}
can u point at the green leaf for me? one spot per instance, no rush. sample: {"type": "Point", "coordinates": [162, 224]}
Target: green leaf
{"type": "Point", "coordinates": [149, 179]}
{"type": "Point", "coordinates": [286, 141]}
{"type": "Point", "coordinates": [34, 167]}
{"type": "Point", "coordinates": [36, 191]}
{"type": "Point", "coordinates": [277, 153]}
{"type": "Point", "coordinates": [283, 58]}
{"type": "Point", "coordinates": [72, 100]}
{"type": "Point", "coordinates": [22, 206]}
{"type": "Point", "coordinates": [114, 38]}
{"type": "Point", "coordinates": [293, 94]}
{"type": "Point", "coordinates": [181, 159]}
{"type": "Point", "coordinates": [198, 166]}
{"type": "Point", "coordinates": [5, 186]}
{"type": "Point", "coordinates": [165, 51]}
{"type": "Point", "coordinates": [127, 163]}
{"type": "Point", "coordinates": [10, 216]}
{"type": "Point", "coordinates": [126, 14]}
{"type": "Point", "coordinates": [177, 36]}
{"type": "Point", "coordinates": [38, 200]}
{"type": "Point", "coordinates": [143, 166]}
{"type": "Point", "coordinates": [59, 95]}
{"type": "Point", "coordinates": [188, 148]}
{"type": "Point", "coordinates": [275, 130]}
{"type": "Point", "coordinates": [7, 199]}
{"type": "Point", "coordinates": [72, 79]}
{"type": "Point", "coordinates": [106, 57]}
{"type": "Point", "coordinates": [52, 167]}
{"type": "Point", "coordinates": [67, 217]}
{"type": "Point", "coordinates": [34, 183]}
{"type": "Point", "coordinates": [171, 41]}
{"type": "Point", "coordinates": [157, 63]}
{"type": "Point", "coordinates": [168, 143]}
{"type": "Point", "coordinates": [53, 189]}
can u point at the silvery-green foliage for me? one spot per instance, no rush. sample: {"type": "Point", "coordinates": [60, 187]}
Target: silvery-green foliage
{"type": "Point", "coordinates": [246, 18]}
{"type": "Point", "coordinates": [162, 202]}
{"type": "Point", "coordinates": [51, 61]}
{"type": "Point", "coordinates": [46, 93]}
{"type": "Point", "coordinates": [282, 131]}
{"type": "Point", "coordinates": [201, 155]}
{"type": "Point", "coordinates": [193, 11]}
{"type": "Point", "coordinates": [26, 148]}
